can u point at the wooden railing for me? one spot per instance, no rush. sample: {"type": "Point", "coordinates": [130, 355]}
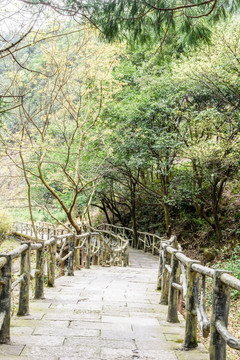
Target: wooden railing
{"type": "Point", "coordinates": [182, 278]}
{"type": "Point", "coordinates": [116, 246]}
{"type": "Point", "coordinates": [179, 277]}
{"type": "Point", "coordinates": [44, 230]}
{"type": "Point", "coordinates": [175, 266]}
{"type": "Point", "coordinates": [146, 241]}
{"type": "Point", "coordinates": [52, 253]}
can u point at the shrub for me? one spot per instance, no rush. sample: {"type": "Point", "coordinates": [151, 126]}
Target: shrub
{"type": "Point", "coordinates": [5, 223]}
{"type": "Point", "coordinates": [233, 265]}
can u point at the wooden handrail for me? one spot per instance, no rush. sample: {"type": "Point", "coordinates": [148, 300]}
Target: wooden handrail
{"type": "Point", "coordinates": [172, 263]}
{"type": "Point", "coordinates": [56, 246]}
{"type": "Point", "coordinates": [146, 240]}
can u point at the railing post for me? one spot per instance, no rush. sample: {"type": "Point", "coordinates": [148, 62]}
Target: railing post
{"type": "Point", "coordinates": [5, 299]}
{"type": "Point", "coordinates": [39, 279]}
{"type": "Point", "coordinates": [172, 292]}
{"type": "Point", "coordinates": [52, 263]}
{"type": "Point", "coordinates": [190, 340]}
{"type": "Point", "coordinates": [160, 268]}
{"type": "Point", "coordinates": [100, 251]}
{"type": "Point", "coordinates": [101, 255]}
{"type": "Point", "coordinates": [77, 255]}
{"type": "Point", "coordinates": [153, 246]}
{"type": "Point", "coordinates": [165, 278]}
{"type": "Point", "coordinates": [132, 239]}
{"type": "Point", "coordinates": [87, 260]}
{"type": "Point", "coordinates": [126, 256]}
{"type": "Point", "coordinates": [71, 247]}
{"type": "Point", "coordinates": [23, 307]}
{"type": "Point", "coordinates": [220, 310]}
{"type": "Point", "coordinates": [145, 243]}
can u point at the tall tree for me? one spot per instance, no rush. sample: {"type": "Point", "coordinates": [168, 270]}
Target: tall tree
{"type": "Point", "coordinates": [56, 127]}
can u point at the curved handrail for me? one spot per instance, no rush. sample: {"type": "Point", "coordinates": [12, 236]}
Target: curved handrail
{"type": "Point", "coordinates": [172, 263]}
{"type": "Point", "coordinates": [146, 240]}
{"type": "Point", "coordinates": [55, 245]}
{"type": "Point", "coordinates": [178, 274]}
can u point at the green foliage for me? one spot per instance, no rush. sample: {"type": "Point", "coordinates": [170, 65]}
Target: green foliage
{"type": "Point", "coordinates": [150, 135]}
{"type": "Point", "coordinates": [5, 223]}
{"type": "Point", "coordinates": [145, 21]}
{"type": "Point", "coordinates": [178, 125]}
{"type": "Point", "coordinates": [233, 265]}
{"type": "Point", "coordinates": [59, 122]}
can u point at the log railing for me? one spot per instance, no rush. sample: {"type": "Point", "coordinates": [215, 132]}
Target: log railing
{"type": "Point", "coordinates": [44, 230]}
{"type": "Point", "coordinates": [181, 278]}
{"type": "Point", "coordinates": [146, 241]}
{"type": "Point", "coordinates": [180, 275]}
{"type": "Point", "coordinates": [55, 255]}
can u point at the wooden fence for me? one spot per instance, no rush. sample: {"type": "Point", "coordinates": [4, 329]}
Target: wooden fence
{"type": "Point", "coordinates": [44, 230]}
{"type": "Point", "coordinates": [180, 277]}
{"type": "Point", "coordinates": [52, 253]}
{"type": "Point", "coordinates": [192, 286]}
{"type": "Point", "coordinates": [146, 241]}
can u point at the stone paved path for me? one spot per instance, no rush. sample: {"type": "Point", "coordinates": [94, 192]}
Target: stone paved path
{"type": "Point", "coordinates": [101, 313]}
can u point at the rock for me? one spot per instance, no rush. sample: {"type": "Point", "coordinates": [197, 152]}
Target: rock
{"type": "Point", "coordinates": [210, 254]}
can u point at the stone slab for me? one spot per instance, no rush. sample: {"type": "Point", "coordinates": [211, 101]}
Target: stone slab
{"type": "Point", "coordinates": [11, 349]}
{"type": "Point", "coordinates": [38, 340]}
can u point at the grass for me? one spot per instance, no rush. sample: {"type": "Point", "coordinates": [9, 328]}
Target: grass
{"type": "Point", "coordinates": [38, 215]}
{"type": "Point", "coordinates": [231, 264]}
{"type": "Point", "coordinates": [8, 245]}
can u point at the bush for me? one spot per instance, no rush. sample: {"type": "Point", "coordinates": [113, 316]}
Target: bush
{"type": "Point", "coordinates": [233, 265]}
{"type": "Point", "coordinates": [5, 223]}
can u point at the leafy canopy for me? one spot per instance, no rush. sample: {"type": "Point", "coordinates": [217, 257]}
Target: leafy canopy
{"type": "Point", "coordinates": [146, 20]}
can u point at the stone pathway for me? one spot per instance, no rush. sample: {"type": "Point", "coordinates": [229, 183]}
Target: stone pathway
{"type": "Point", "coordinates": [101, 313]}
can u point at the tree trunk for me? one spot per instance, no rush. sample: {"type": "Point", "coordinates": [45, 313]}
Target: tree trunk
{"type": "Point", "coordinates": [105, 212]}
{"type": "Point", "coordinates": [133, 214]}
{"type": "Point", "coordinates": [135, 234]}
{"type": "Point", "coordinates": [165, 185]}
{"type": "Point", "coordinates": [167, 219]}
{"type": "Point", "coordinates": [217, 227]}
